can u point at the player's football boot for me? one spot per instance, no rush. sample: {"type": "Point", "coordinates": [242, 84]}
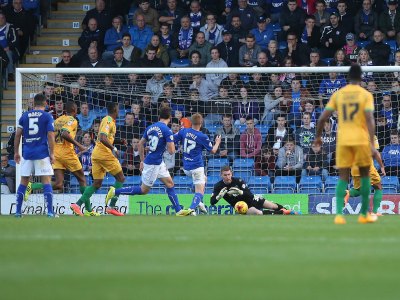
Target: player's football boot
{"type": "Point", "coordinates": [367, 219]}
{"type": "Point", "coordinates": [376, 214]}
{"type": "Point", "coordinates": [114, 212]}
{"type": "Point", "coordinates": [203, 208]}
{"type": "Point", "coordinates": [76, 209]}
{"type": "Point", "coordinates": [18, 215]}
{"type": "Point", "coordinates": [51, 215]}
{"type": "Point", "coordinates": [91, 214]}
{"type": "Point", "coordinates": [28, 191]}
{"type": "Point", "coordinates": [286, 211]}
{"type": "Point", "coordinates": [185, 212]}
{"type": "Point", "coordinates": [110, 194]}
{"type": "Point", "coordinates": [346, 197]}
{"type": "Point", "coordinates": [339, 220]}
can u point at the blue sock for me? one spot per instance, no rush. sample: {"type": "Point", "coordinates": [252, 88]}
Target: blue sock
{"type": "Point", "coordinates": [48, 196]}
{"type": "Point", "coordinates": [197, 198]}
{"type": "Point", "coordinates": [129, 190]}
{"type": "Point", "coordinates": [20, 197]}
{"type": "Point", "coordinates": [174, 199]}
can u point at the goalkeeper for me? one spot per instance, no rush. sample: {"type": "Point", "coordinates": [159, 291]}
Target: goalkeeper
{"type": "Point", "coordinates": [375, 181]}
{"type": "Point", "coordinates": [234, 189]}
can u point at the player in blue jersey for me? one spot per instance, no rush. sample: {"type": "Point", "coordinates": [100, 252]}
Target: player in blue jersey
{"type": "Point", "coordinates": [194, 142]}
{"type": "Point", "coordinates": [159, 138]}
{"type": "Point", "coordinates": [37, 130]}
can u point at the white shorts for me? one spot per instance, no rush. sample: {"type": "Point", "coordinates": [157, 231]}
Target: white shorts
{"type": "Point", "coordinates": [151, 172]}
{"type": "Point", "coordinates": [38, 167]}
{"type": "Point", "coordinates": [198, 175]}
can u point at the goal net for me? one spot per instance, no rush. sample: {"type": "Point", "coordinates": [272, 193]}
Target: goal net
{"type": "Point", "coordinates": [266, 117]}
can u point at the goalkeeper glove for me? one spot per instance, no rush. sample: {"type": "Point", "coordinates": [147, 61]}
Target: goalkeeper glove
{"type": "Point", "coordinates": [235, 191]}
{"type": "Point", "coordinates": [222, 193]}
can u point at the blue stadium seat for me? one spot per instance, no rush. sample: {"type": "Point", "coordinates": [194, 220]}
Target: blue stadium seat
{"type": "Point", "coordinates": [133, 180]}
{"type": "Point", "coordinates": [310, 183]}
{"type": "Point", "coordinates": [11, 162]}
{"type": "Point", "coordinates": [285, 183]}
{"type": "Point", "coordinates": [217, 163]}
{"type": "Point", "coordinates": [213, 128]}
{"type": "Point", "coordinates": [241, 128]}
{"type": "Point", "coordinates": [263, 129]}
{"type": "Point", "coordinates": [276, 27]}
{"type": "Point", "coordinates": [100, 113]}
{"type": "Point", "coordinates": [180, 63]}
{"type": "Point", "coordinates": [327, 61]}
{"type": "Point", "coordinates": [157, 190]}
{"type": "Point", "coordinates": [330, 184]}
{"type": "Point", "coordinates": [259, 184]}
{"type": "Point", "coordinates": [389, 190]}
{"type": "Point", "coordinates": [108, 181]}
{"type": "Point", "coordinates": [391, 182]}
{"type": "Point", "coordinates": [282, 45]}
{"type": "Point", "coordinates": [211, 181]}
{"type": "Point", "coordinates": [243, 163]}
{"type": "Point", "coordinates": [185, 181]}
{"type": "Point", "coordinates": [213, 172]}
{"type": "Point", "coordinates": [168, 77]}
{"type": "Point", "coordinates": [183, 189]}
{"type": "Point", "coordinates": [363, 44]}
{"type": "Point", "coordinates": [283, 191]}
{"type": "Point", "coordinates": [74, 185]}
{"type": "Point", "coordinates": [245, 78]}
{"type": "Point", "coordinates": [244, 174]}
{"type": "Point", "coordinates": [122, 113]}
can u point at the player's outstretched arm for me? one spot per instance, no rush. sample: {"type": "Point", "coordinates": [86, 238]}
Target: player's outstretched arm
{"type": "Point", "coordinates": [216, 145]}
{"type": "Point", "coordinates": [51, 141]}
{"type": "Point", "coordinates": [66, 136]}
{"type": "Point", "coordinates": [17, 141]}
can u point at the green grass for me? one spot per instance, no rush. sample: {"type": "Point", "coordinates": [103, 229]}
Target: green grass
{"type": "Point", "coordinates": [215, 257]}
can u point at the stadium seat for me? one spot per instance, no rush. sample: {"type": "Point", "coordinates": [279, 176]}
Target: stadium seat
{"type": "Point", "coordinates": [263, 129]}
{"type": "Point", "coordinates": [184, 181]}
{"type": "Point", "coordinates": [74, 185]}
{"type": "Point", "coordinates": [276, 27]}
{"type": "Point", "coordinates": [213, 172]}
{"type": "Point", "coordinates": [133, 180]}
{"type": "Point", "coordinates": [330, 184]}
{"type": "Point", "coordinates": [100, 113]}
{"type": "Point", "coordinates": [327, 61]}
{"type": "Point", "coordinates": [389, 190]}
{"type": "Point", "coordinates": [282, 45]}
{"type": "Point", "coordinates": [157, 190]}
{"type": "Point", "coordinates": [243, 163]}
{"type": "Point", "coordinates": [283, 191]}
{"type": "Point", "coordinates": [241, 128]}
{"type": "Point", "coordinates": [363, 44]}
{"type": "Point", "coordinates": [183, 189]}
{"type": "Point", "coordinates": [180, 63]}
{"type": "Point", "coordinates": [310, 184]}
{"type": "Point", "coordinates": [390, 182]}
{"type": "Point", "coordinates": [259, 184]}
{"type": "Point", "coordinates": [108, 181]}
{"type": "Point", "coordinates": [287, 183]}
{"type": "Point", "coordinates": [245, 78]}
{"type": "Point", "coordinates": [217, 163]}
{"type": "Point", "coordinates": [213, 128]}
{"type": "Point", "coordinates": [244, 174]}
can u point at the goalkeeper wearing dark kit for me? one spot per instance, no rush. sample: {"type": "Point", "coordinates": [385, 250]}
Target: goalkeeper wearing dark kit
{"type": "Point", "coordinates": [233, 190]}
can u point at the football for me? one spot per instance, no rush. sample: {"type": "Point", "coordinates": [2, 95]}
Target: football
{"type": "Point", "coordinates": [241, 207]}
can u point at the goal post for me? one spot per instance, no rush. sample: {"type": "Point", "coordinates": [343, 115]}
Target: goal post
{"type": "Point", "coordinates": [261, 94]}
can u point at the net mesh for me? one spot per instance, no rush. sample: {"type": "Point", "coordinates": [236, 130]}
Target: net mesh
{"type": "Point", "coordinates": [256, 114]}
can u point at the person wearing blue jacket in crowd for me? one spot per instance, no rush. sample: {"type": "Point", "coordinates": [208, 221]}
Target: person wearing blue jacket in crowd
{"type": "Point", "coordinates": [113, 37]}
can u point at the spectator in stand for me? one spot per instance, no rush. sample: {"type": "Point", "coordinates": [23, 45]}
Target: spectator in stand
{"type": "Point", "coordinates": [378, 51]}
{"type": "Point", "coordinates": [233, 84]}
{"type": "Point", "coordinates": [218, 107]}
{"type": "Point", "coordinates": [67, 61]}
{"type": "Point", "coordinates": [195, 60]}
{"type": "Point", "coordinates": [257, 86]}
{"type": "Point", "coordinates": [311, 34]}
{"type": "Point", "coordinates": [197, 15]}
{"type": "Point", "coordinates": [139, 119]}
{"type": "Point", "coordinates": [351, 49]}
{"type": "Point", "coordinates": [85, 156]}
{"type": "Point", "coordinates": [127, 131]}
{"type": "Point", "coordinates": [216, 62]}
{"type": "Point", "coordinates": [246, 107]}
{"type": "Point", "coordinates": [180, 86]}
{"type": "Point", "coordinates": [329, 140]}
{"type": "Point", "coordinates": [272, 106]}
{"type": "Point", "coordinates": [131, 160]}
{"type": "Point", "coordinates": [382, 132]}
{"type": "Point", "coordinates": [273, 81]}
{"type": "Point", "coordinates": [172, 16]}
{"type": "Point", "coordinates": [237, 31]}
{"type": "Point", "coordinates": [7, 176]}
{"type": "Point", "coordinates": [298, 94]}
{"type": "Point", "coordinates": [275, 8]}
{"type": "Point", "coordinates": [389, 21]}
{"type": "Point", "coordinates": [161, 51]}
{"type": "Point", "coordinates": [212, 30]}
{"type": "Point", "coordinates": [395, 89]}
{"type": "Point", "coordinates": [229, 49]}
{"type": "Point", "coordinates": [150, 60]}
{"type": "Point", "coordinates": [365, 60]}
{"type": "Point", "coordinates": [101, 14]}
{"type": "Point", "coordinates": [134, 85]}
{"type": "Point", "coordinates": [262, 60]}
{"type": "Point", "coordinates": [274, 57]}
{"type": "Point", "coordinates": [315, 163]}
{"type": "Point", "coordinates": [170, 97]}
{"type": "Point", "coordinates": [76, 95]}
{"type": "Point", "coordinates": [286, 78]}
{"type": "Point", "coordinates": [346, 19]}
{"type": "Point", "coordinates": [93, 60]}
{"type": "Point", "coordinates": [118, 60]}
{"type": "Point", "coordinates": [391, 155]}
{"type": "Point", "coordinates": [206, 91]}
{"type": "Point", "coordinates": [9, 43]}
{"type": "Point", "coordinates": [24, 24]}
{"type": "Point", "coordinates": [248, 53]}
{"type": "Point", "coordinates": [312, 80]}
{"type": "Point", "coordinates": [388, 112]}
{"type": "Point", "coordinates": [310, 108]}
{"type": "Point", "coordinates": [321, 15]}
{"type": "Point", "coordinates": [340, 59]}
{"type": "Point", "coordinates": [113, 37]}
{"type": "Point", "coordinates": [250, 140]}
{"type": "Point", "coordinates": [203, 46]}
{"type": "Point", "coordinates": [328, 87]}
{"type": "Point", "coordinates": [333, 36]}
{"type": "Point", "coordinates": [182, 40]}
{"type": "Point", "coordinates": [298, 52]}
{"type": "Point", "coordinates": [230, 139]}
{"type": "Point", "coordinates": [265, 163]}
{"type": "Point", "coordinates": [131, 53]}
{"type": "Point", "coordinates": [263, 32]}
{"type": "Point", "coordinates": [4, 62]}
{"type": "Point", "coordinates": [51, 98]}
{"type": "Point", "coordinates": [305, 135]}
{"type": "Point", "coordinates": [291, 19]}
{"type": "Point", "coordinates": [246, 14]}
{"type": "Point", "coordinates": [94, 131]}
{"type": "Point", "coordinates": [58, 110]}
{"type": "Point", "coordinates": [141, 33]}
{"type": "Point", "coordinates": [92, 37]}
{"type": "Point", "coordinates": [366, 21]}
{"type": "Point", "coordinates": [165, 35]}
{"type": "Point", "coordinates": [86, 117]}
{"type": "Point", "coordinates": [150, 15]}
{"type": "Point", "coordinates": [148, 109]}
{"type": "Point", "coordinates": [290, 160]}
{"type": "Point", "coordinates": [396, 75]}
{"type": "Point", "coordinates": [155, 86]}
{"type": "Point", "coordinates": [194, 104]}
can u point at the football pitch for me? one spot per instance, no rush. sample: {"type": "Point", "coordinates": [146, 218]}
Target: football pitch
{"type": "Point", "coordinates": [205, 257]}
